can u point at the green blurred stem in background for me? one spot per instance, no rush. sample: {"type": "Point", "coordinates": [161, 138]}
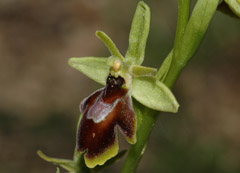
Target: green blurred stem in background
{"type": "Point", "coordinates": [189, 34]}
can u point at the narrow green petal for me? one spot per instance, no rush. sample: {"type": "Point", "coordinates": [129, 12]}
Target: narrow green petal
{"type": "Point", "coordinates": [235, 6]}
{"type": "Point", "coordinates": [64, 163]}
{"type": "Point", "coordinates": [95, 68]}
{"type": "Point", "coordinates": [138, 70]}
{"type": "Point", "coordinates": [109, 44]}
{"type": "Point", "coordinates": [138, 34]}
{"type": "Point", "coordinates": [154, 94]}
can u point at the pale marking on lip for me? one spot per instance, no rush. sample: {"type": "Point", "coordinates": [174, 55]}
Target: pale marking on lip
{"type": "Point", "coordinates": [99, 111]}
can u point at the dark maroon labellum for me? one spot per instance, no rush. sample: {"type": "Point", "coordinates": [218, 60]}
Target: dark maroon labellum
{"type": "Point", "coordinates": [104, 111]}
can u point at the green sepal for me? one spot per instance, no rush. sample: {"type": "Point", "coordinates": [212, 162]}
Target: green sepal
{"type": "Point", "coordinates": [64, 163]}
{"type": "Point", "coordinates": [138, 70]}
{"type": "Point", "coordinates": [234, 5]}
{"type": "Point", "coordinates": [138, 34]}
{"type": "Point", "coordinates": [109, 44]}
{"type": "Point", "coordinates": [95, 68]}
{"type": "Point", "coordinates": [154, 94]}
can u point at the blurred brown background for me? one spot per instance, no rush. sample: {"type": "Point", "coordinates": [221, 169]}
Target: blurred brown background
{"type": "Point", "coordinates": [40, 93]}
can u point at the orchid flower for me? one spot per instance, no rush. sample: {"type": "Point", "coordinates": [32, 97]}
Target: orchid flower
{"type": "Point", "coordinates": [110, 108]}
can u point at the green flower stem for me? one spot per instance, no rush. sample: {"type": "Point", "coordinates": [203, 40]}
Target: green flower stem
{"type": "Point", "coordinates": [190, 40]}
{"type": "Point", "coordinates": [146, 120]}
{"type": "Point", "coordinates": [150, 116]}
{"type": "Point", "coordinates": [183, 16]}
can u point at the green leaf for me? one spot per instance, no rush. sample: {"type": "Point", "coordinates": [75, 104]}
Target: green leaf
{"type": "Point", "coordinates": [234, 5]}
{"type": "Point", "coordinates": [224, 8]}
{"type": "Point", "coordinates": [138, 34]}
{"type": "Point", "coordinates": [64, 163]}
{"type": "Point", "coordinates": [95, 68]}
{"type": "Point", "coordinates": [58, 170]}
{"type": "Point", "coordinates": [109, 44]}
{"type": "Point", "coordinates": [162, 72]}
{"type": "Point", "coordinates": [194, 32]}
{"type": "Point", "coordinates": [196, 28]}
{"type": "Point", "coordinates": [138, 70]}
{"type": "Point", "coordinates": [154, 94]}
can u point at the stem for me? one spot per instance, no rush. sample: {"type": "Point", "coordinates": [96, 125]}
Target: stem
{"type": "Point", "coordinates": [183, 15]}
{"type": "Point", "coordinates": [150, 116]}
{"type": "Point", "coordinates": [146, 120]}
{"type": "Point", "coordinates": [147, 116]}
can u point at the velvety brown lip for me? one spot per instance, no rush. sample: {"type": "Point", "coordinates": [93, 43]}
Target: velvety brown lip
{"type": "Point", "coordinates": [96, 138]}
